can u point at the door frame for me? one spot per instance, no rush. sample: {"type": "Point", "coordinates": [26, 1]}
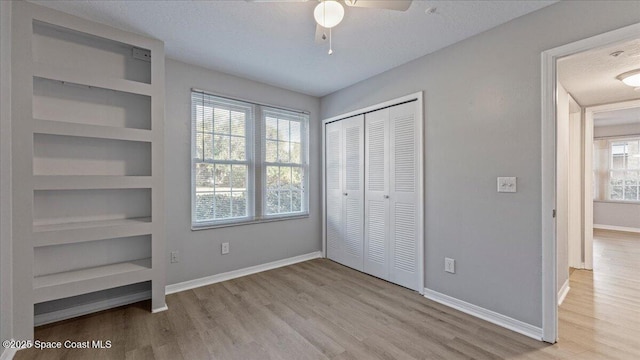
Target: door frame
{"type": "Point", "coordinates": [418, 97]}
{"type": "Point", "coordinates": [549, 185]}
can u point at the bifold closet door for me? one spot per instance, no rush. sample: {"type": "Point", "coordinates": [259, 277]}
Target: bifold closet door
{"type": "Point", "coordinates": [333, 190]}
{"type": "Point", "coordinates": [345, 191]}
{"type": "Point", "coordinates": [392, 197]}
{"type": "Point", "coordinates": [404, 195]}
{"type": "Point", "coordinates": [376, 208]}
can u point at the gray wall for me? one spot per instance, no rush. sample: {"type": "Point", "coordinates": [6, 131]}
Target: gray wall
{"type": "Point", "coordinates": [6, 312]}
{"type": "Point", "coordinates": [250, 244]}
{"type": "Point", "coordinates": [482, 120]}
{"type": "Point", "coordinates": [616, 214]}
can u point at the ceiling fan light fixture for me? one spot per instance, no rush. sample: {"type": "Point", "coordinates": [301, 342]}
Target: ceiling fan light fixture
{"type": "Point", "coordinates": [328, 13]}
{"type": "Point", "coordinates": [630, 78]}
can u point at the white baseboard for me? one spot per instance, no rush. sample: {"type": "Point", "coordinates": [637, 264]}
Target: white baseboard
{"type": "Point", "coordinates": [616, 228]}
{"type": "Point", "coordinates": [484, 314]}
{"type": "Point", "coordinates": [84, 309]}
{"type": "Point", "coordinates": [160, 309]}
{"type": "Point", "coordinates": [8, 354]}
{"type": "Point", "coordinates": [564, 290]}
{"type": "Point", "coordinates": [208, 280]}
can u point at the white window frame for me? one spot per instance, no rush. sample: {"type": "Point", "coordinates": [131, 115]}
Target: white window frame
{"type": "Point", "coordinates": [304, 160]}
{"type": "Point", "coordinates": [256, 154]}
{"type": "Point", "coordinates": [625, 170]}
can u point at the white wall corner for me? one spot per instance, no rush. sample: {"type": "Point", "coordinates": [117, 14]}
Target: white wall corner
{"type": "Point", "coordinates": [564, 290]}
{"type": "Point", "coordinates": [485, 314]}
{"type": "Point", "coordinates": [208, 280]}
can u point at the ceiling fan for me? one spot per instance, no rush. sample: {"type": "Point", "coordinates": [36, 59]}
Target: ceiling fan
{"type": "Point", "coordinates": [329, 13]}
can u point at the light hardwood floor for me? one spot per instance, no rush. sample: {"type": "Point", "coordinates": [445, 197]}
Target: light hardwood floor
{"type": "Point", "coordinates": [322, 310]}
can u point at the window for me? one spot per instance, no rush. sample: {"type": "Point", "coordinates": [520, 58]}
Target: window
{"type": "Point", "coordinates": [624, 170]}
{"type": "Point", "coordinates": [232, 141]}
{"type": "Point", "coordinates": [285, 162]}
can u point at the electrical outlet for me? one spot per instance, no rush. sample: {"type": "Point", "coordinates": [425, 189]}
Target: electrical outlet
{"type": "Point", "coordinates": [225, 248]}
{"type": "Point", "coordinates": [141, 54]}
{"type": "Point", "coordinates": [174, 257]}
{"type": "Point", "coordinates": [450, 265]}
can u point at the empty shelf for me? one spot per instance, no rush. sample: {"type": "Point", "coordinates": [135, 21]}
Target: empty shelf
{"type": "Point", "coordinates": [82, 182]}
{"type": "Point", "coordinates": [69, 233]}
{"type": "Point", "coordinates": [92, 131]}
{"type": "Point", "coordinates": [73, 76]}
{"type": "Point", "coordinates": [77, 282]}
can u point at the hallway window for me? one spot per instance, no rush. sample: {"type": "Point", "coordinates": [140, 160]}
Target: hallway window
{"type": "Point", "coordinates": [624, 170]}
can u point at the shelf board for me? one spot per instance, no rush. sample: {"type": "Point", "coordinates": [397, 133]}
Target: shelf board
{"type": "Point", "coordinates": [77, 232]}
{"type": "Point", "coordinates": [78, 282]}
{"type": "Point", "coordinates": [92, 131]}
{"type": "Point", "coordinates": [73, 76]}
{"type": "Point", "coordinates": [83, 182]}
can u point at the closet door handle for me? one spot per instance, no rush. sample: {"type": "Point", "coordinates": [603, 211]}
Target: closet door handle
{"type": "Point", "coordinates": [345, 194]}
{"type": "Point", "coordinates": [386, 196]}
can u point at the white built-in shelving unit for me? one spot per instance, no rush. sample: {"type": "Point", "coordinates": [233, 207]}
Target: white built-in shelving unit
{"type": "Point", "coordinates": [88, 112]}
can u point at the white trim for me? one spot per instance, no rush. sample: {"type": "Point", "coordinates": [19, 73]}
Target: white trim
{"type": "Point", "coordinates": [208, 280]}
{"type": "Point", "coordinates": [587, 202]}
{"type": "Point", "coordinates": [160, 309]}
{"type": "Point", "coordinates": [304, 215]}
{"type": "Point", "coordinates": [616, 228]}
{"type": "Point", "coordinates": [8, 354]}
{"type": "Point", "coordinates": [419, 98]}
{"type": "Point", "coordinates": [421, 185]}
{"type": "Point", "coordinates": [324, 190]}
{"type": "Point", "coordinates": [484, 314]}
{"type": "Point", "coordinates": [548, 123]}
{"type": "Point", "coordinates": [396, 101]}
{"type": "Point", "coordinates": [564, 290]}
{"type": "Point", "coordinates": [84, 309]}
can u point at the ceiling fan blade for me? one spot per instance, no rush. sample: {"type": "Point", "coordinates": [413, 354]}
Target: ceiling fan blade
{"type": "Point", "coordinates": [322, 34]}
{"type": "Point", "coordinates": [275, 1]}
{"type": "Point", "coordinates": [399, 5]}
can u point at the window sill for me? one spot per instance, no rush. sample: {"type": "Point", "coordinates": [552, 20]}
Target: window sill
{"type": "Point", "coordinates": [617, 202]}
{"type": "Point", "coordinates": [251, 222]}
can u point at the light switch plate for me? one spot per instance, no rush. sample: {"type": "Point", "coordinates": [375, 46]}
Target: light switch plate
{"type": "Point", "coordinates": [507, 184]}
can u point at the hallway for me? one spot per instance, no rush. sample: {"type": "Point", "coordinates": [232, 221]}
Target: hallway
{"type": "Point", "coordinates": [601, 314]}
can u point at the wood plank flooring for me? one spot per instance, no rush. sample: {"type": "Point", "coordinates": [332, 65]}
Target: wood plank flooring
{"type": "Point", "coordinates": [601, 314]}
{"type": "Point", "coordinates": [321, 310]}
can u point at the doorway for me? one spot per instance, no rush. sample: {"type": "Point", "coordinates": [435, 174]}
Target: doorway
{"type": "Point", "coordinates": [554, 175]}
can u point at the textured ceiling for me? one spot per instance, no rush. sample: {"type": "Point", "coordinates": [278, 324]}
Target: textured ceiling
{"type": "Point", "coordinates": [617, 117]}
{"type": "Point", "coordinates": [274, 42]}
{"type": "Point", "coordinates": [590, 76]}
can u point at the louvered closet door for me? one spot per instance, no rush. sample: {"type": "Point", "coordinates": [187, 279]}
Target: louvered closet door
{"type": "Point", "coordinates": [353, 191]}
{"type": "Point", "coordinates": [333, 191]}
{"type": "Point", "coordinates": [376, 209]}
{"type": "Point", "coordinates": [404, 196]}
